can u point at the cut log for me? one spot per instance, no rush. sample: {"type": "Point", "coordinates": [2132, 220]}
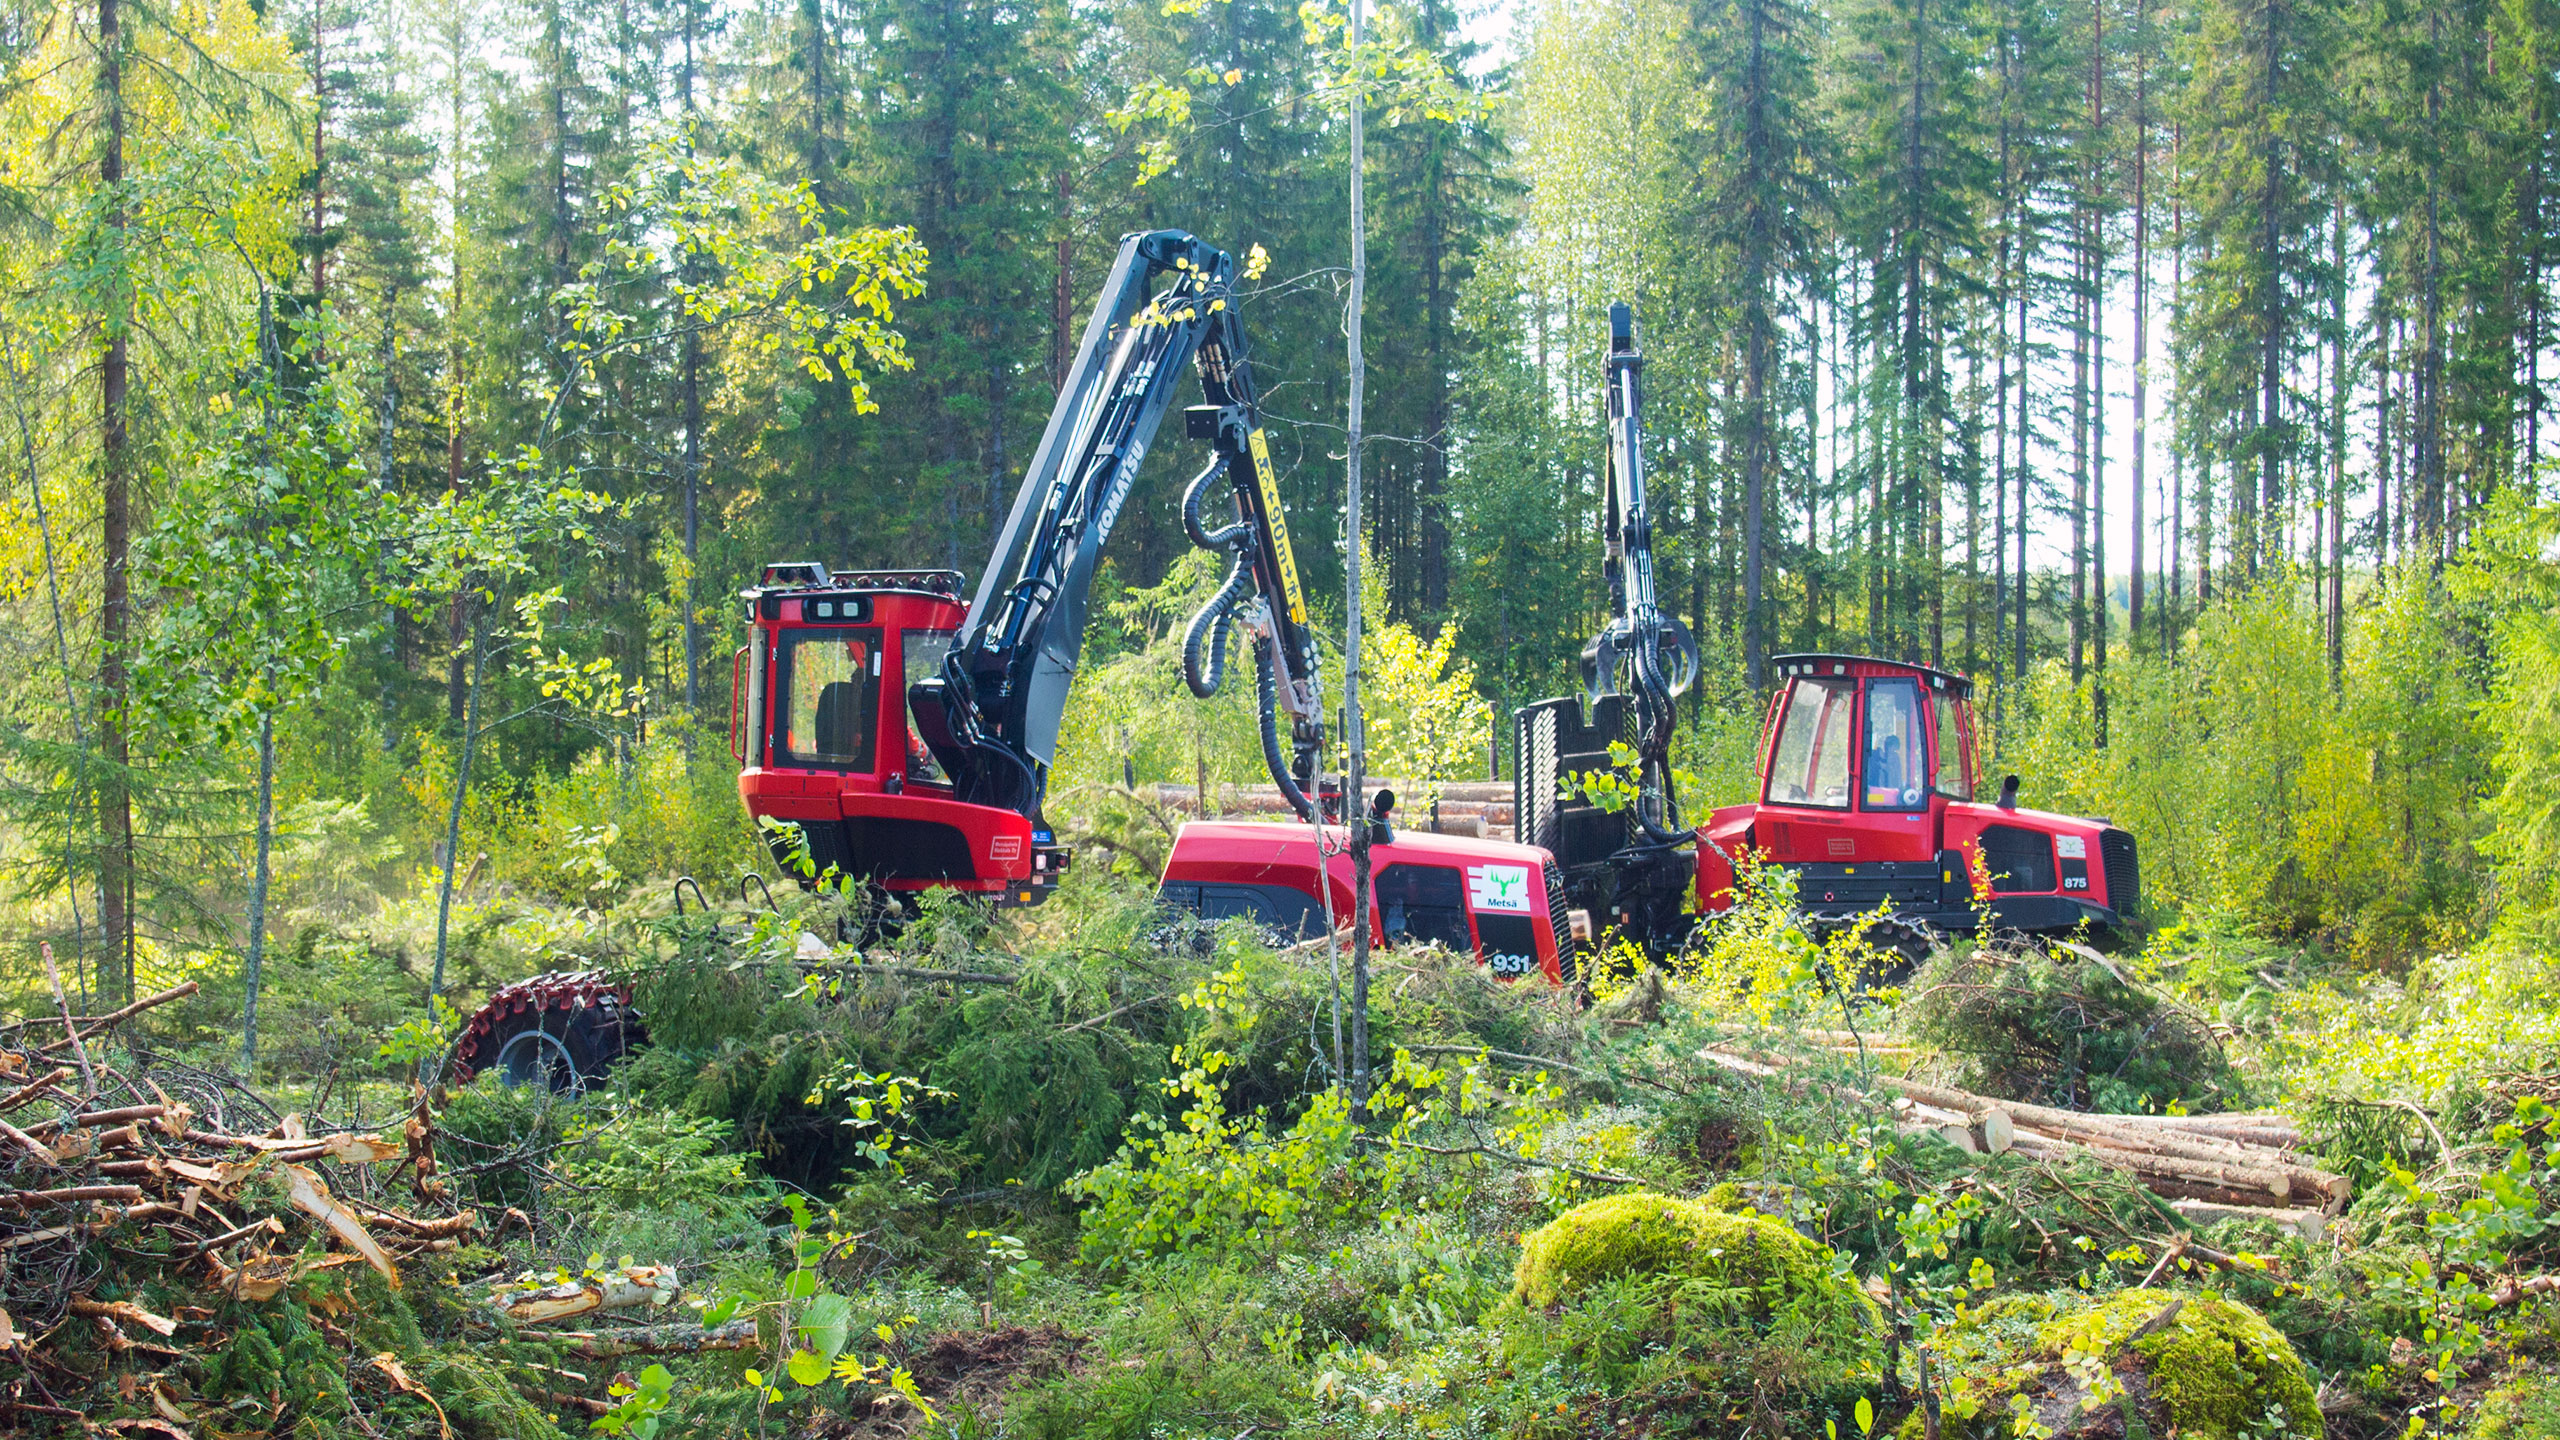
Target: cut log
{"type": "Point", "coordinates": [2188, 1157]}
{"type": "Point", "coordinates": [2241, 1178]}
{"type": "Point", "coordinates": [2308, 1223]}
{"type": "Point", "coordinates": [1992, 1131]}
{"type": "Point", "coordinates": [630, 1287]}
{"type": "Point", "coordinates": [661, 1340]}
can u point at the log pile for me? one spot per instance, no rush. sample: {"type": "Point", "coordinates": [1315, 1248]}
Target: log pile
{"type": "Point", "coordinates": [2206, 1165]}
{"type": "Point", "coordinates": [2212, 1163]}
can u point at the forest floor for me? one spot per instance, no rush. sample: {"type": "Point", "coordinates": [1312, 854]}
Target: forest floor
{"type": "Point", "coordinates": [1080, 1172]}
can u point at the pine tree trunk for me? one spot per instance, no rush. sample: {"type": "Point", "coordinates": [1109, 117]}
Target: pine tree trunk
{"type": "Point", "coordinates": [2078, 618]}
{"type": "Point", "coordinates": [2338, 445]}
{"type": "Point", "coordinates": [115, 969]}
{"type": "Point", "coordinates": [2098, 374]}
{"type": "Point", "coordinates": [455, 679]}
{"type": "Point", "coordinates": [2429, 526]}
{"type": "Point", "coordinates": [2175, 567]}
{"type": "Point", "coordinates": [1354, 804]}
{"type": "Point", "coordinates": [2141, 307]}
{"type": "Point", "coordinates": [1755, 319]}
{"type": "Point", "coordinates": [258, 880]}
{"type": "Point", "coordinates": [2018, 632]}
{"type": "Point", "coordinates": [692, 436]}
{"type": "Point", "coordinates": [2271, 263]}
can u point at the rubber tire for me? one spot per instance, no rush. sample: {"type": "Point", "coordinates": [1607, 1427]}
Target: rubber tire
{"type": "Point", "coordinates": [595, 1036]}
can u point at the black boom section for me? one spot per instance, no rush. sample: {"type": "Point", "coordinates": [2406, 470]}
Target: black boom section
{"type": "Point", "coordinates": [992, 716]}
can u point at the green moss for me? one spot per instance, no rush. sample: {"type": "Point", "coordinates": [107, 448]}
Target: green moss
{"type": "Point", "coordinates": [1726, 1196]}
{"type": "Point", "coordinates": [2215, 1371]}
{"type": "Point", "coordinates": [1646, 1234]}
{"type": "Point", "coordinates": [2525, 1407]}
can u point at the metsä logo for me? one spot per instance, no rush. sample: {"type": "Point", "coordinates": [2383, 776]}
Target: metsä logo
{"type": "Point", "coordinates": [1499, 887]}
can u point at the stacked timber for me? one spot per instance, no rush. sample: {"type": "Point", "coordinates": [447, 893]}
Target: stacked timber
{"type": "Point", "coordinates": [1480, 808]}
{"type": "Point", "coordinates": [2208, 1166]}
{"type": "Point", "coordinates": [2213, 1162]}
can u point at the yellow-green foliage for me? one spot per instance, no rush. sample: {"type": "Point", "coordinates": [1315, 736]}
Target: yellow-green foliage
{"type": "Point", "coordinates": [1646, 1234]}
{"type": "Point", "coordinates": [2263, 798]}
{"type": "Point", "coordinates": [2526, 1407]}
{"type": "Point", "coordinates": [2216, 1371]}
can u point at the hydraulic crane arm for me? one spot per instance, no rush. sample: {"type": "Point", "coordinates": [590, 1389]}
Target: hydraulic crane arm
{"type": "Point", "coordinates": [1643, 651]}
{"type": "Point", "coordinates": [991, 717]}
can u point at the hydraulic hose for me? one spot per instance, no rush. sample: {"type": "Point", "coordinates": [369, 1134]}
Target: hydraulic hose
{"type": "Point", "coordinates": [1209, 628]}
{"type": "Point", "coordinates": [1267, 692]}
{"type": "Point", "coordinates": [1223, 539]}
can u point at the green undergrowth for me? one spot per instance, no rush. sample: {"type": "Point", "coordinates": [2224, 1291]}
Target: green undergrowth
{"type": "Point", "coordinates": [1073, 1172]}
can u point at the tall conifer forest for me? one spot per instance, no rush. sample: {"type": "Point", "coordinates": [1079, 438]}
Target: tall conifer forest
{"type": "Point", "coordinates": [430, 1006]}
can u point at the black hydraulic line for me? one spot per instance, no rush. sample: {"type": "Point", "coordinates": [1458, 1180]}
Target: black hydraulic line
{"type": "Point", "coordinates": [1224, 539]}
{"type": "Point", "coordinates": [1209, 629]}
{"type": "Point", "coordinates": [1266, 688]}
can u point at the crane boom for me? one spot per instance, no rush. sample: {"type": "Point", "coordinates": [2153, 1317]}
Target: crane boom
{"type": "Point", "coordinates": [888, 733]}
{"type": "Point", "coordinates": [1010, 670]}
{"type": "Point", "coordinates": [1634, 670]}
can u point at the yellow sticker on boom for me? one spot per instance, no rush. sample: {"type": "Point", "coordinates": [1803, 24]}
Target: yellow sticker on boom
{"type": "Point", "coordinates": [1279, 518]}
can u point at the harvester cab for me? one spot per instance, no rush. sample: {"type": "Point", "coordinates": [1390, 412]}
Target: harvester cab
{"type": "Point", "coordinates": [1869, 778]}
{"type": "Point", "coordinates": [891, 735]}
{"type": "Point", "coordinates": [830, 739]}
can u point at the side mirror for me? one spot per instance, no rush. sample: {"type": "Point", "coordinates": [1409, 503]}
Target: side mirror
{"type": "Point", "coordinates": [2009, 793]}
{"type": "Point", "coordinates": [1379, 805]}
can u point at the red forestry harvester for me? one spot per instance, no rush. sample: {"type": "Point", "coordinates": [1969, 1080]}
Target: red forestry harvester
{"type": "Point", "coordinates": [905, 739]}
{"type": "Point", "coordinates": [1868, 773]}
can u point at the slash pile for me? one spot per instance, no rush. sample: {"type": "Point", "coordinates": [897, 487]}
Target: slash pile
{"type": "Point", "coordinates": [128, 1180]}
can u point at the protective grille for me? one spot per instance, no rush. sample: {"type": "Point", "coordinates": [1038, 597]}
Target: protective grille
{"type": "Point", "coordinates": [2019, 859]}
{"type": "Point", "coordinates": [1533, 776]}
{"type": "Point", "coordinates": [1556, 906]}
{"type": "Point", "coordinates": [2124, 871]}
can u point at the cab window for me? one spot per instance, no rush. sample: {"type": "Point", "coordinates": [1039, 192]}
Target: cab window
{"type": "Point", "coordinates": [920, 653]}
{"type": "Point", "coordinates": [1424, 904]}
{"type": "Point", "coordinates": [1811, 762]}
{"type": "Point", "coordinates": [1890, 776]}
{"type": "Point", "coordinates": [829, 684]}
{"type": "Point", "coordinates": [1954, 777]}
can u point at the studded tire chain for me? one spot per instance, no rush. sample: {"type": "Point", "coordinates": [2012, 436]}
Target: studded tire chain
{"type": "Point", "coordinates": [563, 994]}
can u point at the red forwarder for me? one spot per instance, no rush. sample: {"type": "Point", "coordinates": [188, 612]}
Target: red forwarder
{"type": "Point", "coordinates": [1868, 783]}
{"type": "Point", "coordinates": [1868, 772]}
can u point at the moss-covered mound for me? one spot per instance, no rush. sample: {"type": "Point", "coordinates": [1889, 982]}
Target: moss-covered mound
{"type": "Point", "coordinates": [1678, 1318]}
{"type": "Point", "coordinates": [1646, 1234]}
{"type": "Point", "coordinates": [2195, 1366]}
